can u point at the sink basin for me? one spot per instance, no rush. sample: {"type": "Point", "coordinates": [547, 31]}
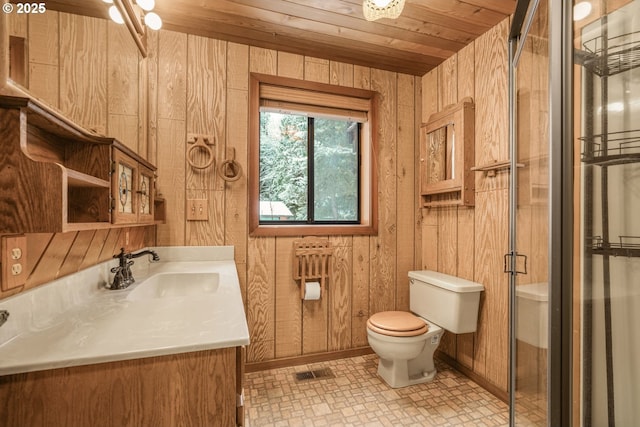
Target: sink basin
{"type": "Point", "coordinates": [171, 285]}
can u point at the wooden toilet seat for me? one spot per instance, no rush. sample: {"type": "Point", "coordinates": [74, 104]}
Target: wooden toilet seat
{"type": "Point", "coordinates": [397, 324]}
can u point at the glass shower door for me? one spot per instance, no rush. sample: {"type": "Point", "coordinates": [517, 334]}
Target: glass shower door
{"type": "Point", "coordinates": [530, 218]}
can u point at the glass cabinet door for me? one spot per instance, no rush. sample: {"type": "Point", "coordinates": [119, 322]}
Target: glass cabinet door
{"type": "Point", "coordinates": [125, 182]}
{"type": "Point", "coordinates": [145, 193]}
{"type": "Point", "coordinates": [133, 190]}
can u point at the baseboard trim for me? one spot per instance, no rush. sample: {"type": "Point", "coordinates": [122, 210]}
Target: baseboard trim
{"type": "Point", "coordinates": [309, 358]}
{"type": "Point", "coordinates": [482, 382]}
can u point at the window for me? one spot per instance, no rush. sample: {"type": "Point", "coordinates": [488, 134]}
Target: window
{"type": "Point", "coordinates": [311, 166]}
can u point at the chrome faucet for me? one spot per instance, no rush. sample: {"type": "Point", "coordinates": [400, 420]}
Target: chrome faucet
{"type": "Point", "coordinates": [122, 273]}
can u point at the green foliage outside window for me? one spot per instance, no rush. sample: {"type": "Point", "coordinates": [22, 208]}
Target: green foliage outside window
{"type": "Point", "coordinates": [286, 144]}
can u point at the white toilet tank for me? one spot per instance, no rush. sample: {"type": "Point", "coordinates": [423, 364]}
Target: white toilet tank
{"type": "Point", "coordinates": [448, 301]}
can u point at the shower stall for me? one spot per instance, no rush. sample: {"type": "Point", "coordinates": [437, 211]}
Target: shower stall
{"type": "Point", "coordinates": [575, 213]}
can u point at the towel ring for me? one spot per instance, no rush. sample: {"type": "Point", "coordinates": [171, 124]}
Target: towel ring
{"type": "Point", "coordinates": [230, 170]}
{"type": "Point", "coordinates": [201, 146]}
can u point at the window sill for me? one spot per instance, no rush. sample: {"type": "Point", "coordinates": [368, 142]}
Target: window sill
{"type": "Point", "coordinates": [263, 230]}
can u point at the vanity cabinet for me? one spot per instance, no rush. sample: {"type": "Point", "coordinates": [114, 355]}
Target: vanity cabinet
{"type": "Point", "coordinates": [195, 389]}
{"type": "Point", "coordinates": [56, 176]}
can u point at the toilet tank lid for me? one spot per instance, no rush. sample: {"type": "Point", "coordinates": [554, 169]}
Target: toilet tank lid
{"type": "Point", "coordinates": [445, 281]}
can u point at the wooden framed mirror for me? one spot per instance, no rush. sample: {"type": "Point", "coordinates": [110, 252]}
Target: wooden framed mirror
{"type": "Point", "coordinates": [446, 157]}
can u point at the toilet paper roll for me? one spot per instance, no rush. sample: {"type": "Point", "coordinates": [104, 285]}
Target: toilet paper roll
{"type": "Point", "coordinates": [311, 291]}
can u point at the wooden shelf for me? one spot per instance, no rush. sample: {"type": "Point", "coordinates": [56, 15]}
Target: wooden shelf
{"type": "Point", "coordinates": [55, 176]}
{"type": "Point", "coordinates": [79, 179]}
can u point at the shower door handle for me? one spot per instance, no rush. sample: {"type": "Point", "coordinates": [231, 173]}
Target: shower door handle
{"type": "Point", "coordinates": [507, 263]}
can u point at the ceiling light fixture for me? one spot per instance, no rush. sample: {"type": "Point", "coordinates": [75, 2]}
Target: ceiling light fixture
{"type": "Point", "coordinates": [147, 5]}
{"type": "Point", "coordinates": [581, 10]}
{"type": "Point", "coordinates": [137, 16]}
{"type": "Point", "coordinates": [376, 9]}
{"type": "Point", "coordinates": [115, 15]}
{"type": "Point", "coordinates": [153, 21]}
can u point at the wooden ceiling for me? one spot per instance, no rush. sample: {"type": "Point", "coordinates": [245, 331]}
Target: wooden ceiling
{"type": "Point", "coordinates": [427, 32]}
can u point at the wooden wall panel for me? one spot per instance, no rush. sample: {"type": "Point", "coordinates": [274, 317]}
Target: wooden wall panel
{"type": "Point", "coordinates": [288, 305]}
{"type": "Point", "coordinates": [406, 191]}
{"type": "Point", "coordinates": [51, 256]}
{"type": "Point", "coordinates": [492, 114]}
{"type": "Point", "coordinates": [261, 298]}
{"type": "Point", "coordinates": [206, 102]}
{"type": "Point", "coordinates": [448, 83]}
{"type": "Point", "coordinates": [44, 49]}
{"type": "Point", "coordinates": [77, 251]}
{"type": "Point", "coordinates": [291, 65]}
{"type": "Point", "coordinates": [315, 314]}
{"type": "Point", "coordinates": [341, 74]}
{"type": "Point", "coordinates": [237, 139]}
{"type": "Point", "coordinates": [478, 71]}
{"type": "Point", "coordinates": [382, 292]}
{"type": "Point", "coordinates": [339, 294]}
{"type": "Point", "coordinates": [122, 85]}
{"type": "Point", "coordinates": [171, 142]}
{"type": "Point", "coordinates": [492, 335]}
{"type": "Point", "coordinates": [83, 74]}
{"type": "Point", "coordinates": [235, 221]}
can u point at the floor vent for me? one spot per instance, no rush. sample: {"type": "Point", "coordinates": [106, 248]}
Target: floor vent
{"type": "Point", "coordinates": [314, 375]}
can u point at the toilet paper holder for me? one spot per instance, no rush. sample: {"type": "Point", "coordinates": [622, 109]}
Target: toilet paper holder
{"type": "Point", "coordinates": [311, 261]}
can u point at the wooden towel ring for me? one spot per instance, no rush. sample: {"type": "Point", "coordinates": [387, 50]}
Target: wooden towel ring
{"type": "Point", "coordinates": [200, 144]}
{"type": "Point", "coordinates": [230, 170]}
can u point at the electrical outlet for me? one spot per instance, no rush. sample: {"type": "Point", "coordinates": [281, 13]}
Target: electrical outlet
{"type": "Point", "coordinates": [197, 210]}
{"type": "Point", "coordinates": [14, 258]}
{"type": "Point", "coordinates": [16, 269]}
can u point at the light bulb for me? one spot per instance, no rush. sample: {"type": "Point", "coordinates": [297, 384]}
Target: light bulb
{"type": "Point", "coordinates": [581, 10]}
{"type": "Point", "coordinates": [114, 13]}
{"type": "Point", "coordinates": [153, 21]}
{"type": "Point", "coordinates": [146, 4]}
{"type": "Point", "coordinates": [382, 3]}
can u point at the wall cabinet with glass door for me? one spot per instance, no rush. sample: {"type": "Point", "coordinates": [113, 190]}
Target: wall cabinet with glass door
{"type": "Point", "coordinates": [132, 184]}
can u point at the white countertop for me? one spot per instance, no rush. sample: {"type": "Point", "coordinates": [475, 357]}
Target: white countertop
{"type": "Point", "coordinates": [76, 321]}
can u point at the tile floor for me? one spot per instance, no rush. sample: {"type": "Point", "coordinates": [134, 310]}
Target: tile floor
{"type": "Point", "coordinates": [356, 396]}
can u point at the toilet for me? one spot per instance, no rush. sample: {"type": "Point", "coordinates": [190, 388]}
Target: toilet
{"type": "Point", "coordinates": [405, 341]}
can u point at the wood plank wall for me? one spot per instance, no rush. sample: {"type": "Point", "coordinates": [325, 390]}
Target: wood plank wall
{"type": "Point", "coordinates": [200, 85]}
{"type": "Point", "coordinates": [203, 88]}
{"type": "Point", "coordinates": [471, 242]}
{"type": "Point", "coordinates": [91, 71]}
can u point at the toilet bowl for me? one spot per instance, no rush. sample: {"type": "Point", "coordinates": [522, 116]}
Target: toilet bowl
{"type": "Point", "coordinates": [406, 341]}
{"type": "Point", "coordinates": [405, 358]}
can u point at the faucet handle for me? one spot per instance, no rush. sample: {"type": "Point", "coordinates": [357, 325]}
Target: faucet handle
{"type": "Point", "coordinates": [121, 254]}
